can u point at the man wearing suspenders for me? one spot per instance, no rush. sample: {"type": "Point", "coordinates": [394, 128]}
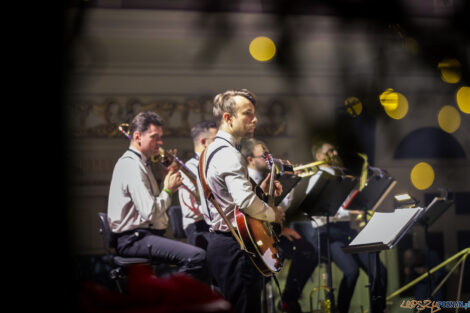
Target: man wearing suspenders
{"type": "Point", "coordinates": [226, 174]}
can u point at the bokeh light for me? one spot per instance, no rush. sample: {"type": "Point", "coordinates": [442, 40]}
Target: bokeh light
{"type": "Point", "coordinates": [262, 49]}
{"type": "Point", "coordinates": [450, 70]}
{"type": "Point", "coordinates": [463, 99]}
{"type": "Point", "coordinates": [389, 99]}
{"type": "Point", "coordinates": [353, 106]}
{"type": "Point", "coordinates": [395, 104]}
{"type": "Point", "coordinates": [422, 176]}
{"type": "Point", "coordinates": [449, 119]}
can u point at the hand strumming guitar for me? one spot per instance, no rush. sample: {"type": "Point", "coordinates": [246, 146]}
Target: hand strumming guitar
{"type": "Point", "coordinates": [279, 215]}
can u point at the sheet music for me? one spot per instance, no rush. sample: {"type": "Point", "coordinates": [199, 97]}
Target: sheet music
{"type": "Point", "coordinates": [386, 227]}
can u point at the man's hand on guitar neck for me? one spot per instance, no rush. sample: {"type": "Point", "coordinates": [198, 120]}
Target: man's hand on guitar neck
{"type": "Point", "coordinates": [279, 215]}
{"type": "Point", "coordinates": [265, 186]}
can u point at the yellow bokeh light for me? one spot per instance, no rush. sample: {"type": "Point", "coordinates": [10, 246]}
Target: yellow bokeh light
{"type": "Point", "coordinates": [450, 71]}
{"type": "Point", "coordinates": [449, 119]}
{"type": "Point", "coordinates": [463, 99]}
{"type": "Point", "coordinates": [262, 49]}
{"type": "Point", "coordinates": [422, 176]}
{"type": "Point", "coordinates": [389, 99]}
{"type": "Point", "coordinates": [395, 104]}
{"type": "Point", "coordinates": [353, 106]}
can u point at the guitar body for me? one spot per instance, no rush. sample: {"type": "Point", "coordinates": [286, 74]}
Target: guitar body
{"type": "Point", "coordinates": [260, 243]}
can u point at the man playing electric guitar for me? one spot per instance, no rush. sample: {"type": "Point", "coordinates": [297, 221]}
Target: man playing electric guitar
{"type": "Point", "coordinates": [299, 250]}
{"type": "Point", "coordinates": [225, 173]}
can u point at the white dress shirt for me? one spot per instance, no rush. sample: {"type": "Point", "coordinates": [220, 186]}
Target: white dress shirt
{"type": "Point", "coordinates": [188, 203]}
{"type": "Point", "coordinates": [227, 177]}
{"type": "Point", "coordinates": [135, 201]}
{"type": "Point", "coordinates": [258, 177]}
{"type": "Point", "coordinates": [342, 215]}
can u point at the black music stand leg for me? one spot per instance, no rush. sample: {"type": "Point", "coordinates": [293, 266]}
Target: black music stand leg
{"type": "Point", "coordinates": [427, 260]}
{"type": "Point", "coordinates": [331, 295]}
{"type": "Point", "coordinates": [377, 305]}
{"type": "Point", "coordinates": [371, 280]}
{"type": "Point", "coordinates": [370, 273]}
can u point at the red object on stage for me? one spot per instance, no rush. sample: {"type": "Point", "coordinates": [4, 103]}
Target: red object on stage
{"type": "Point", "coordinates": [148, 293]}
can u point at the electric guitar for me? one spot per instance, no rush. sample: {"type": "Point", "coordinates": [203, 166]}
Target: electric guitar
{"type": "Point", "coordinates": [259, 238]}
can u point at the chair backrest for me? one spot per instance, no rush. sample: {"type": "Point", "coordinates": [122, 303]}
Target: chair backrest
{"type": "Point", "coordinates": [105, 230]}
{"type": "Point", "coordinates": [176, 221]}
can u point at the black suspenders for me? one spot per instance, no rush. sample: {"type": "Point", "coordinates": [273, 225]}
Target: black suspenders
{"type": "Point", "coordinates": [207, 166]}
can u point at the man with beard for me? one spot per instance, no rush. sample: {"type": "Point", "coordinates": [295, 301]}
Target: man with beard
{"type": "Point", "coordinates": [226, 174]}
{"type": "Point", "coordinates": [294, 247]}
{"type": "Point", "coordinates": [341, 234]}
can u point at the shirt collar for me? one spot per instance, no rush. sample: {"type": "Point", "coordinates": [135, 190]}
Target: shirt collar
{"type": "Point", "coordinates": [257, 176]}
{"type": "Point", "coordinates": [227, 136]}
{"type": "Point", "coordinates": [142, 156]}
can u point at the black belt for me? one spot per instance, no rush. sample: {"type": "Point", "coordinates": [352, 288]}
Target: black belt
{"type": "Point", "coordinates": [224, 233]}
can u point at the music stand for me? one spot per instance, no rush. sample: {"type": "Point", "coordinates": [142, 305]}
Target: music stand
{"type": "Point", "coordinates": [383, 232]}
{"type": "Point", "coordinates": [327, 195]}
{"type": "Point", "coordinates": [373, 194]}
{"type": "Point", "coordinates": [324, 199]}
{"type": "Point", "coordinates": [433, 211]}
{"type": "Point", "coordinates": [288, 182]}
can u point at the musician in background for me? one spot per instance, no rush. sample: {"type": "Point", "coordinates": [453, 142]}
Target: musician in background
{"type": "Point", "coordinates": [226, 174]}
{"type": "Point", "coordinates": [292, 245]}
{"type": "Point", "coordinates": [196, 229]}
{"type": "Point", "coordinates": [341, 234]}
{"type": "Point", "coordinates": [416, 262]}
{"type": "Point", "coordinates": [137, 207]}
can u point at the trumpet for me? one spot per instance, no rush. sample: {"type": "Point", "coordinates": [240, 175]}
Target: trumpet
{"type": "Point", "coordinates": [309, 169]}
{"type": "Point", "coordinates": [166, 159]}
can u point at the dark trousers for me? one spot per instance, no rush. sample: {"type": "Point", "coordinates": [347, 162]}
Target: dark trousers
{"type": "Point", "coordinates": [190, 259]}
{"type": "Point", "coordinates": [197, 234]}
{"type": "Point", "coordinates": [340, 235]}
{"type": "Point", "coordinates": [234, 273]}
{"type": "Point", "coordinates": [303, 262]}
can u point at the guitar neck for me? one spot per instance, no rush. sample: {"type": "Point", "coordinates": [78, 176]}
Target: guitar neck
{"type": "Point", "coordinates": [271, 186]}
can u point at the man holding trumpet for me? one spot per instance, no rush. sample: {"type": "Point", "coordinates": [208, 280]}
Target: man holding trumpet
{"type": "Point", "coordinates": [341, 233]}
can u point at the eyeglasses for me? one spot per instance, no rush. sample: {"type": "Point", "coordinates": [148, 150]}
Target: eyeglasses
{"type": "Point", "coordinates": [330, 151]}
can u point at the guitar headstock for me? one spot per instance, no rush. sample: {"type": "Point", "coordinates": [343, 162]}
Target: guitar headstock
{"type": "Point", "coordinates": [268, 158]}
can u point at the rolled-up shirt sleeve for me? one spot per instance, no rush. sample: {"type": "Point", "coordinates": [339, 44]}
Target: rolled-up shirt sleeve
{"type": "Point", "coordinates": [142, 193]}
{"type": "Point", "coordinates": [241, 190]}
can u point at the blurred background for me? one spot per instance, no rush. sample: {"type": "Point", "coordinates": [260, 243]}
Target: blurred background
{"type": "Point", "coordinates": [390, 79]}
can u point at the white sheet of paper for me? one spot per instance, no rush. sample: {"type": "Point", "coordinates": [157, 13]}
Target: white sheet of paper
{"type": "Point", "coordinates": [384, 227]}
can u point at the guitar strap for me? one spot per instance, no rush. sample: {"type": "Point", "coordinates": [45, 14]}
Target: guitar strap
{"type": "Point", "coordinates": [210, 196]}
